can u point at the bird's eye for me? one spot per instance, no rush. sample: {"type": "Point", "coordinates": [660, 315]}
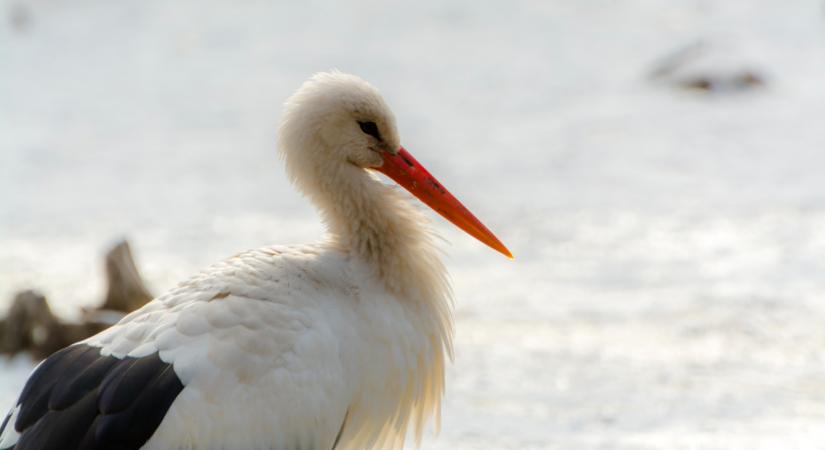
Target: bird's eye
{"type": "Point", "coordinates": [370, 128]}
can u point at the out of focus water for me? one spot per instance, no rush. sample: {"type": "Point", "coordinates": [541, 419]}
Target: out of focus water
{"type": "Point", "coordinates": [668, 290]}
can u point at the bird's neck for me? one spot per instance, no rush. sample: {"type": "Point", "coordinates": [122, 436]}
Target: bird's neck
{"type": "Point", "coordinates": [378, 223]}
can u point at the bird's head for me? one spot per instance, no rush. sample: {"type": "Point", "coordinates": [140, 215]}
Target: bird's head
{"type": "Point", "coordinates": [337, 121]}
{"type": "Point", "coordinates": [337, 118]}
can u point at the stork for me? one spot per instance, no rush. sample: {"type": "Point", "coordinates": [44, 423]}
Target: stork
{"type": "Point", "coordinates": [339, 344]}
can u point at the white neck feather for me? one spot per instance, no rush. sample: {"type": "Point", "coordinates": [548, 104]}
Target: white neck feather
{"type": "Point", "coordinates": [378, 223]}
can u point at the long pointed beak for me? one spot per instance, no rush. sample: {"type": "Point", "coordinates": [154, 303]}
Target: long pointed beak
{"type": "Point", "coordinates": [411, 175]}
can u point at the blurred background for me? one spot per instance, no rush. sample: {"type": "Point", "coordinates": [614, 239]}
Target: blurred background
{"type": "Point", "coordinates": [656, 166]}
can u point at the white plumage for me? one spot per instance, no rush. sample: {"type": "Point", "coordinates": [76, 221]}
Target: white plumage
{"type": "Point", "coordinates": [275, 347]}
{"type": "Point", "coordinates": [341, 343]}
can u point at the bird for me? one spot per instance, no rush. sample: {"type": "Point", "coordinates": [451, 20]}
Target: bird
{"type": "Point", "coordinates": [339, 344]}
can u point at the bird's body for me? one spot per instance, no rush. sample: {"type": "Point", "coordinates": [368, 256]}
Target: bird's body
{"type": "Point", "coordinates": [341, 344]}
{"type": "Point", "coordinates": [291, 334]}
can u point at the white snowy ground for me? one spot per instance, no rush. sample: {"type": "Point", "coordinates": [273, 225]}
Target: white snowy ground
{"type": "Point", "coordinates": [669, 286]}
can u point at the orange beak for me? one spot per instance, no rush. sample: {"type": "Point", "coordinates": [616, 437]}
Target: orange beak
{"type": "Point", "coordinates": [411, 175]}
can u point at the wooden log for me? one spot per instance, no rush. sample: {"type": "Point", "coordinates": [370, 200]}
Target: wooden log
{"type": "Point", "coordinates": [31, 326]}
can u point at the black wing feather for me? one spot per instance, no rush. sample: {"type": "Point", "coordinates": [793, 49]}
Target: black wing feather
{"type": "Point", "coordinates": [79, 399]}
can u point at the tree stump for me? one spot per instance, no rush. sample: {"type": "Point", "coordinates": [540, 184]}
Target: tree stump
{"type": "Point", "coordinates": [125, 289]}
{"type": "Point", "coordinates": [31, 326]}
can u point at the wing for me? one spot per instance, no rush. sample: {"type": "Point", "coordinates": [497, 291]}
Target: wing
{"type": "Point", "coordinates": [247, 354]}
{"type": "Point", "coordinates": [80, 399]}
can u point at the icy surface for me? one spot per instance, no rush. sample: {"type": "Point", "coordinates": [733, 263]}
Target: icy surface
{"type": "Point", "coordinates": [669, 285]}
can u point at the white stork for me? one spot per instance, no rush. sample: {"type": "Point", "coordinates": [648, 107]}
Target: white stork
{"type": "Point", "coordinates": [340, 344]}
